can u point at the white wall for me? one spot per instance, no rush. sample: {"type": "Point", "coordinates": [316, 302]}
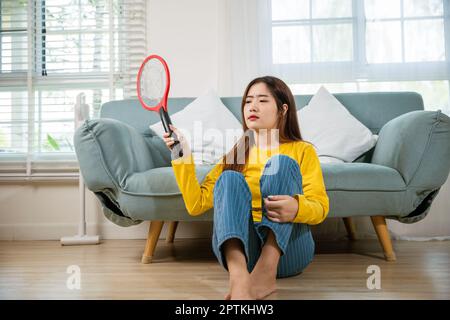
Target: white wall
{"type": "Point", "coordinates": [186, 34]}
{"type": "Point", "coordinates": [50, 210]}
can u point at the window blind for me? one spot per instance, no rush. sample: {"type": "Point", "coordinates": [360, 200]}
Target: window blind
{"type": "Point", "coordinates": [51, 51]}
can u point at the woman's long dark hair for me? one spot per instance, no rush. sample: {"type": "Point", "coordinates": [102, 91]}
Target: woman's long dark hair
{"type": "Point", "coordinates": [287, 124]}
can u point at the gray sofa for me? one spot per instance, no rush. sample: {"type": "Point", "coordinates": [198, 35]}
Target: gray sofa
{"type": "Point", "coordinates": [128, 167]}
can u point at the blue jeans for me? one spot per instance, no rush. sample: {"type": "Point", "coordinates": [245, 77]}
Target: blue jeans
{"type": "Point", "coordinates": [233, 217]}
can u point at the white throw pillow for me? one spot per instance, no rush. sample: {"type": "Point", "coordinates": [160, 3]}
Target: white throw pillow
{"type": "Point", "coordinates": [332, 129]}
{"type": "Point", "coordinates": [208, 125]}
{"type": "Point", "coordinates": [325, 159]}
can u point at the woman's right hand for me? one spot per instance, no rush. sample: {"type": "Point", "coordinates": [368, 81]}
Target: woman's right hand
{"type": "Point", "coordinates": [169, 141]}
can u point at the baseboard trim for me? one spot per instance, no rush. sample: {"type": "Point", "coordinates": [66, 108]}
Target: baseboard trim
{"type": "Point", "coordinates": [54, 231]}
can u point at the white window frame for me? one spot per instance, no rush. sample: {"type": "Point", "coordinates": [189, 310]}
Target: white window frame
{"type": "Point", "coordinates": [358, 69]}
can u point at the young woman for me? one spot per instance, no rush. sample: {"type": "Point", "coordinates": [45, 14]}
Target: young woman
{"type": "Point", "coordinates": [263, 201]}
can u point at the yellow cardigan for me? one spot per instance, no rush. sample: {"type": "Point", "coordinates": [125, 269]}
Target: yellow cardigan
{"type": "Point", "coordinates": [313, 203]}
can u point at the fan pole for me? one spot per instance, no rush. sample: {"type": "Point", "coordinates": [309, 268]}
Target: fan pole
{"type": "Point", "coordinates": [81, 114]}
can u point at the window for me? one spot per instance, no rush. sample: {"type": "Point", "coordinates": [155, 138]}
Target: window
{"type": "Point", "coordinates": [311, 31]}
{"type": "Point", "coordinates": [404, 31]}
{"type": "Point", "coordinates": [51, 52]}
{"type": "Point", "coordinates": [362, 45]}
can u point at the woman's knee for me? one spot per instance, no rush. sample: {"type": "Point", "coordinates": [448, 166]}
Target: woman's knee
{"type": "Point", "coordinates": [280, 163]}
{"type": "Point", "coordinates": [281, 174]}
{"type": "Point", "coordinates": [231, 180]}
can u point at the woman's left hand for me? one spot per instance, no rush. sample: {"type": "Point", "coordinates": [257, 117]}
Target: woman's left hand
{"type": "Point", "coordinates": [281, 208]}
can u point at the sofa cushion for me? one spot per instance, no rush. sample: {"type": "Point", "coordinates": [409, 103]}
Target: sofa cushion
{"type": "Point", "coordinates": [361, 176]}
{"type": "Point", "coordinates": [333, 130]}
{"type": "Point", "coordinates": [337, 176]}
{"type": "Point", "coordinates": [326, 159]}
{"type": "Point", "coordinates": [159, 181]}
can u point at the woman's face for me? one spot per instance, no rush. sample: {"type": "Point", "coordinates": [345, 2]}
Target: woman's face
{"type": "Point", "coordinates": [260, 108]}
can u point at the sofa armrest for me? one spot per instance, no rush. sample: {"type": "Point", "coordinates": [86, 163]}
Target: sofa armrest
{"type": "Point", "coordinates": [109, 151]}
{"type": "Point", "coordinates": [417, 145]}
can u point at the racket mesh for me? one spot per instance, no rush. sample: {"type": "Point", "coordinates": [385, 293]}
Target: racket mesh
{"type": "Point", "coordinates": [153, 82]}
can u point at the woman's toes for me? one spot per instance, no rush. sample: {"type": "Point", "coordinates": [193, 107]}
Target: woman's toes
{"type": "Point", "coordinates": [240, 289]}
{"type": "Point", "coordinates": [262, 286]}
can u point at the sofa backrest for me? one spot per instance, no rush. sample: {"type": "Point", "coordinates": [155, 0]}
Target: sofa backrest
{"type": "Point", "coordinates": [373, 109]}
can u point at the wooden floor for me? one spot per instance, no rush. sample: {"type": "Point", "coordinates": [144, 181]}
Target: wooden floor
{"type": "Point", "coordinates": [187, 269]}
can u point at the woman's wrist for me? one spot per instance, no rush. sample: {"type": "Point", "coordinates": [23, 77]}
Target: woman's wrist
{"type": "Point", "coordinates": [186, 158]}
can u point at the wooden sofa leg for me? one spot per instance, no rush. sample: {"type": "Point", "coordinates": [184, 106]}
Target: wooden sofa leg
{"type": "Point", "coordinates": [379, 223]}
{"type": "Point", "coordinates": [350, 227]}
{"type": "Point", "coordinates": [152, 239]}
{"type": "Point", "coordinates": [171, 231]}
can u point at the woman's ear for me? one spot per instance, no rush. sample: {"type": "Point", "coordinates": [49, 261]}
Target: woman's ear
{"type": "Point", "coordinates": [285, 108]}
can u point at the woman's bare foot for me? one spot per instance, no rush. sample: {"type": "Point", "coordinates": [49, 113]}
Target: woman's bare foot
{"type": "Point", "coordinates": [240, 288]}
{"type": "Point", "coordinates": [262, 283]}
{"type": "Point", "coordinates": [259, 292]}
